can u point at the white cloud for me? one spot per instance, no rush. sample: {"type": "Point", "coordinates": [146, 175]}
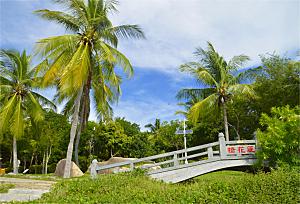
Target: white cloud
{"type": "Point", "coordinates": [175, 27]}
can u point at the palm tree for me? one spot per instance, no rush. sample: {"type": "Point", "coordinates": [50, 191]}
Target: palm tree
{"type": "Point", "coordinates": [85, 59]}
{"type": "Point", "coordinates": [154, 127]}
{"type": "Point", "coordinates": [220, 84]}
{"type": "Point", "coordinates": [17, 98]}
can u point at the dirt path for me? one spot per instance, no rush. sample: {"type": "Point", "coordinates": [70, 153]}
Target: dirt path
{"type": "Point", "coordinates": [25, 189]}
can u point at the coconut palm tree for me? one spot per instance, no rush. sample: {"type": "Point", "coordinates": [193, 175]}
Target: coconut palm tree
{"type": "Point", "coordinates": [19, 101]}
{"type": "Point", "coordinates": [86, 58]}
{"type": "Point", "coordinates": [220, 84]}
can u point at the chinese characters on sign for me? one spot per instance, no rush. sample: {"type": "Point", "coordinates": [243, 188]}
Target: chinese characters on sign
{"type": "Point", "coordinates": [241, 149]}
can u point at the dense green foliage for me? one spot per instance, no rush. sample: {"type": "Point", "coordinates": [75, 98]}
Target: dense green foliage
{"type": "Point", "coordinates": [277, 83]}
{"type": "Point", "coordinates": [218, 187]}
{"type": "Point", "coordinates": [280, 139]}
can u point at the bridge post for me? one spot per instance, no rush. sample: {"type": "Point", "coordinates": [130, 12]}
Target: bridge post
{"type": "Point", "coordinates": [131, 166]}
{"type": "Point", "coordinates": [93, 170]}
{"type": "Point", "coordinates": [210, 153]}
{"type": "Point", "coordinates": [222, 145]}
{"type": "Point", "coordinates": [175, 160]}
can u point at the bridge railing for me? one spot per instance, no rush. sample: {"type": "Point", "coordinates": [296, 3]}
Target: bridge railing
{"type": "Point", "coordinates": [215, 150]}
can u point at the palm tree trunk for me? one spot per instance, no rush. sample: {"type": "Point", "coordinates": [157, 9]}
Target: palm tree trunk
{"type": "Point", "coordinates": [15, 156]}
{"type": "Point", "coordinates": [225, 121]}
{"type": "Point", "coordinates": [84, 115]}
{"type": "Point", "coordinates": [75, 117]}
{"type": "Point", "coordinates": [43, 164]}
{"type": "Point", "coordinates": [48, 154]}
{"type": "Point", "coordinates": [78, 139]}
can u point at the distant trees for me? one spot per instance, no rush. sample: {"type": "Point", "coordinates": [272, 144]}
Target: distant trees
{"type": "Point", "coordinates": [19, 101]}
{"type": "Point", "coordinates": [220, 83]}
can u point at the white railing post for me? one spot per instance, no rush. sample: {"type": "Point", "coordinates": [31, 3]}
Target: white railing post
{"type": "Point", "coordinates": [210, 153]}
{"type": "Point", "coordinates": [175, 160]}
{"type": "Point", "coordinates": [93, 171]}
{"type": "Point", "coordinates": [222, 145]}
{"type": "Point", "coordinates": [131, 166]}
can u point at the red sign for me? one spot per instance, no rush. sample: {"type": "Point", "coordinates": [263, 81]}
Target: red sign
{"type": "Point", "coordinates": [240, 149]}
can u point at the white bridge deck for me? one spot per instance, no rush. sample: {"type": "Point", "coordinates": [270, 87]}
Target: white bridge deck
{"type": "Point", "coordinates": [172, 168]}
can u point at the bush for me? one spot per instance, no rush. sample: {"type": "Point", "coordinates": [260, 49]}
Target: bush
{"type": "Point", "coordinates": [280, 140]}
{"type": "Point", "coordinates": [219, 187]}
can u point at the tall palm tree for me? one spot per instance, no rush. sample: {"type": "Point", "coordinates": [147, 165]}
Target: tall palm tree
{"type": "Point", "coordinates": [18, 99]}
{"type": "Point", "coordinates": [220, 84]}
{"type": "Point", "coordinates": [86, 58]}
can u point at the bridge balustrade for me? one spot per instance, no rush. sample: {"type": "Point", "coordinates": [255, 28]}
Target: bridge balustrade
{"type": "Point", "coordinates": [220, 150]}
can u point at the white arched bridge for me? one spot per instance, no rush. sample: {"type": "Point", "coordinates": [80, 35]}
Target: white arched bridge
{"type": "Point", "coordinates": [173, 167]}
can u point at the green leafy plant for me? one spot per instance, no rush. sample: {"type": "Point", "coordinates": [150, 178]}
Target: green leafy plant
{"type": "Point", "coordinates": [280, 139]}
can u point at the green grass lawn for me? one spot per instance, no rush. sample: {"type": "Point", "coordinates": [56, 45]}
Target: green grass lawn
{"type": "Point", "coordinates": [217, 187]}
{"type": "Point", "coordinates": [5, 187]}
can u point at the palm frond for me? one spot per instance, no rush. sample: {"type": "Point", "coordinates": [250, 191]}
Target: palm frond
{"type": "Point", "coordinates": [55, 70]}
{"type": "Point", "coordinates": [250, 74]}
{"type": "Point", "coordinates": [237, 61]}
{"type": "Point", "coordinates": [202, 108]}
{"type": "Point", "coordinates": [110, 6]}
{"type": "Point", "coordinates": [6, 111]}
{"type": "Point", "coordinates": [128, 31]}
{"type": "Point", "coordinates": [205, 77]}
{"type": "Point", "coordinates": [34, 108]}
{"type": "Point", "coordinates": [56, 45]}
{"type": "Point", "coordinates": [114, 56]}
{"type": "Point", "coordinates": [44, 101]}
{"type": "Point", "coordinates": [238, 90]}
{"type": "Point", "coordinates": [68, 21]}
{"type": "Point", "coordinates": [184, 113]}
{"type": "Point", "coordinates": [76, 72]}
{"type": "Point", "coordinates": [199, 94]}
{"type": "Point", "coordinates": [17, 119]}
{"type": "Point", "coordinates": [190, 67]}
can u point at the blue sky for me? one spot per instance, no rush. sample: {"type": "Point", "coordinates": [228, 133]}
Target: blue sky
{"type": "Point", "coordinates": [173, 29]}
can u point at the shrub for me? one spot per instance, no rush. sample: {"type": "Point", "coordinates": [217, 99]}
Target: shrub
{"type": "Point", "coordinates": [218, 187]}
{"type": "Point", "coordinates": [280, 140]}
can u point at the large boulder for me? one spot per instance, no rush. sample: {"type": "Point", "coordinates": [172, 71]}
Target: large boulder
{"type": "Point", "coordinates": [60, 167]}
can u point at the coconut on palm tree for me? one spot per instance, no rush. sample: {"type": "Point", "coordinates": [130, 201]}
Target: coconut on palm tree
{"type": "Point", "coordinates": [221, 85]}
{"type": "Point", "coordinates": [86, 58]}
{"type": "Point", "coordinates": [19, 101]}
